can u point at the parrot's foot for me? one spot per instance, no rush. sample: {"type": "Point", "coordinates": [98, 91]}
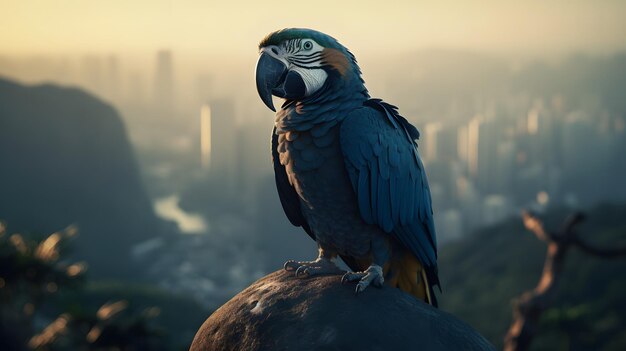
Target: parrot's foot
{"type": "Point", "coordinates": [372, 275]}
{"type": "Point", "coordinates": [321, 266]}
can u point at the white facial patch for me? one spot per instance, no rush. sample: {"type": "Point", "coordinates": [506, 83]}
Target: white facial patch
{"type": "Point", "coordinates": [313, 78]}
{"type": "Point", "coordinates": [304, 56]}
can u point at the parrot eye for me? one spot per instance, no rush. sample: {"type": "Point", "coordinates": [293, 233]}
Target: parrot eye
{"type": "Point", "coordinates": [307, 45]}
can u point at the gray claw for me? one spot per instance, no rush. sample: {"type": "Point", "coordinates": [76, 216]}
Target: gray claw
{"type": "Point", "coordinates": [352, 277]}
{"type": "Point", "coordinates": [373, 275]}
{"type": "Point", "coordinates": [289, 266]}
{"type": "Point", "coordinates": [360, 287]}
{"type": "Point", "coordinates": [321, 266]}
{"type": "Point", "coordinates": [302, 270]}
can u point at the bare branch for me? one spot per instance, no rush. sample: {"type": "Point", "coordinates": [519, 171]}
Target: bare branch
{"type": "Point", "coordinates": [597, 251]}
{"type": "Point", "coordinates": [527, 309]}
{"type": "Point", "coordinates": [535, 225]}
{"type": "Point", "coordinates": [572, 220]}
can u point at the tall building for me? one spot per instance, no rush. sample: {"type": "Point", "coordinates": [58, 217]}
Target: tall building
{"type": "Point", "coordinates": [431, 136]}
{"type": "Point", "coordinates": [439, 142]}
{"type": "Point", "coordinates": [482, 139]}
{"type": "Point", "coordinates": [223, 143]}
{"type": "Point", "coordinates": [205, 137]}
{"type": "Point", "coordinates": [463, 144]}
{"type": "Point", "coordinates": [504, 168]}
{"type": "Point", "coordinates": [542, 140]}
{"type": "Point", "coordinates": [164, 82]}
{"type": "Point", "coordinates": [472, 138]}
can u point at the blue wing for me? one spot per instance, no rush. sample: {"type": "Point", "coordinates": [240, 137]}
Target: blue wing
{"type": "Point", "coordinates": [289, 198]}
{"type": "Point", "coordinates": [388, 178]}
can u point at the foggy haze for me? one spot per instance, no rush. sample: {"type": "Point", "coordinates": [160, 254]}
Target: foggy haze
{"type": "Point", "coordinates": [520, 105]}
{"type": "Point", "coordinates": [235, 27]}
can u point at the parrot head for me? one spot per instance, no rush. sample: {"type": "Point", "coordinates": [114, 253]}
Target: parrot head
{"type": "Point", "coordinates": [297, 64]}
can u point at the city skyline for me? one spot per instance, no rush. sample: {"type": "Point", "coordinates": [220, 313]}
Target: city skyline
{"type": "Point", "coordinates": [488, 156]}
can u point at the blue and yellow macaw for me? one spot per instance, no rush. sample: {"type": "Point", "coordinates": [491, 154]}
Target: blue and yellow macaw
{"type": "Point", "coordinates": [347, 167]}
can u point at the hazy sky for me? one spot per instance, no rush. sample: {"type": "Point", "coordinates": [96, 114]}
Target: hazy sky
{"type": "Point", "coordinates": [79, 26]}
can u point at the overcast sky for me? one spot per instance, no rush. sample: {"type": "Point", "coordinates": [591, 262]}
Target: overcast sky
{"type": "Point", "coordinates": [79, 26]}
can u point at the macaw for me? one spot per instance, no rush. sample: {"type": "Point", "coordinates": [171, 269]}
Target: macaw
{"type": "Point", "coordinates": [347, 167]}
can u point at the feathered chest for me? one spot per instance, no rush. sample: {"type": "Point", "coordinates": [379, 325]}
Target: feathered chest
{"type": "Point", "coordinates": [310, 160]}
{"type": "Point", "coordinates": [304, 152]}
{"type": "Point", "coordinates": [315, 168]}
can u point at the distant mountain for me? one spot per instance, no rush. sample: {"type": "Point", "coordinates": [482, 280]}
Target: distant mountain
{"type": "Point", "coordinates": [65, 158]}
{"type": "Point", "coordinates": [484, 272]}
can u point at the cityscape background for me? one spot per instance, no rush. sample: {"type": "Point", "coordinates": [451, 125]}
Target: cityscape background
{"type": "Point", "coordinates": [520, 106]}
{"type": "Point", "coordinates": [496, 138]}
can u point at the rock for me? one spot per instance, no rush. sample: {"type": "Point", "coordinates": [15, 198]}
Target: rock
{"type": "Point", "coordinates": [281, 312]}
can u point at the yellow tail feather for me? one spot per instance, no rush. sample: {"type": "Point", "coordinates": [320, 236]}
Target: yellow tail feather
{"type": "Point", "coordinates": [407, 274]}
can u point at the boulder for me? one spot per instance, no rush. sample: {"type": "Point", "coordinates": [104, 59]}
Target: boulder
{"type": "Point", "coordinates": [282, 312]}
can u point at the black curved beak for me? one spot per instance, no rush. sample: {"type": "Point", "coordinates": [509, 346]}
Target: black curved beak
{"type": "Point", "coordinates": [270, 73]}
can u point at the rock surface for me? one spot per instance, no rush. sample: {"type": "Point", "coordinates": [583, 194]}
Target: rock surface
{"type": "Point", "coordinates": [281, 312]}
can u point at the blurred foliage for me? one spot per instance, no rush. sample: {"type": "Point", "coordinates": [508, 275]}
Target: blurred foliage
{"type": "Point", "coordinates": [46, 303]}
{"type": "Point", "coordinates": [31, 270]}
{"type": "Point", "coordinates": [111, 327]}
{"type": "Point", "coordinates": [482, 273]}
{"type": "Point", "coordinates": [179, 316]}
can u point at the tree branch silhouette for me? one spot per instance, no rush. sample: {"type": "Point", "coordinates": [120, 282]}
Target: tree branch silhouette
{"type": "Point", "coordinates": [528, 307]}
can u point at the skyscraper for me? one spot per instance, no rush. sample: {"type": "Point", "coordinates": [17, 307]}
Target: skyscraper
{"type": "Point", "coordinates": [205, 136]}
{"type": "Point", "coordinates": [483, 135]}
{"type": "Point", "coordinates": [164, 82]}
{"type": "Point", "coordinates": [223, 143]}
{"type": "Point", "coordinates": [431, 137]}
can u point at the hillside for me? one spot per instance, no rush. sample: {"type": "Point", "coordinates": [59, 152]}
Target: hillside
{"type": "Point", "coordinates": [65, 159]}
{"type": "Point", "coordinates": [483, 272]}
